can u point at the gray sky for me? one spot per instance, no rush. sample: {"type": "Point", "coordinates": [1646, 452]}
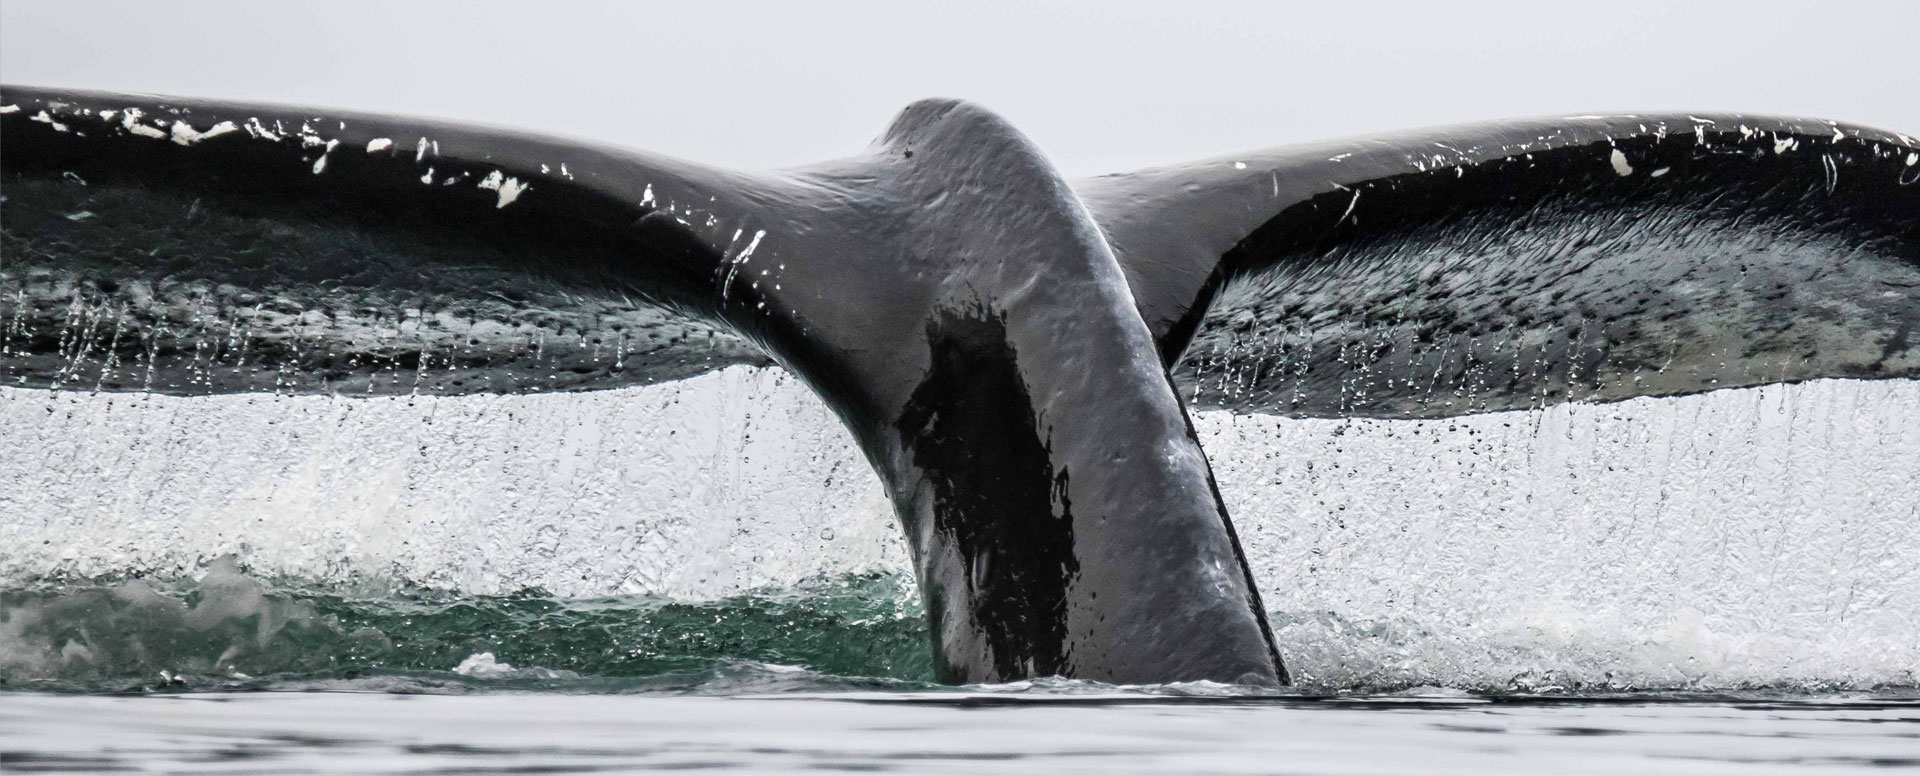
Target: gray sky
{"type": "Point", "coordinates": [1101, 86]}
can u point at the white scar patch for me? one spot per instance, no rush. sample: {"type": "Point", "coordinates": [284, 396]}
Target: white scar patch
{"type": "Point", "coordinates": [131, 122]}
{"type": "Point", "coordinates": [378, 144]}
{"type": "Point", "coordinates": [510, 188]}
{"type": "Point", "coordinates": [47, 119]}
{"type": "Point", "coordinates": [256, 129]}
{"type": "Point", "coordinates": [1620, 163]}
{"type": "Point", "coordinates": [320, 164]}
{"type": "Point", "coordinates": [184, 133]}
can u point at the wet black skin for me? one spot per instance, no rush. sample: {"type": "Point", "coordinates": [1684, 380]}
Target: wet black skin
{"type": "Point", "coordinates": [1506, 266]}
{"type": "Point", "coordinates": [1063, 516]}
{"type": "Point", "coordinates": [1010, 350]}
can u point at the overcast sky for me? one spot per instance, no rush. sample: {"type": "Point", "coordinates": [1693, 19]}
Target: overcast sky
{"type": "Point", "coordinates": [1101, 86]}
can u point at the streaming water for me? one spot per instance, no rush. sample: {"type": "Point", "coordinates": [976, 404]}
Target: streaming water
{"type": "Point", "coordinates": [721, 536]}
{"type": "Point", "coordinates": [1752, 538]}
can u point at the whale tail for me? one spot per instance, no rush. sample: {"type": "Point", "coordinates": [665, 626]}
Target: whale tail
{"type": "Point", "coordinates": [1013, 352]}
{"type": "Point", "coordinates": [945, 292]}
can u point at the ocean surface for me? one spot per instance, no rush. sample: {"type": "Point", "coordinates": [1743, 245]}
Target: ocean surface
{"type": "Point", "coordinates": [1003, 730]}
{"type": "Point", "coordinates": [704, 574]}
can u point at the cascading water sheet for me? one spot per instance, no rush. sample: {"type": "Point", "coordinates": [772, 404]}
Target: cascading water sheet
{"type": "Point", "coordinates": [1741, 539]}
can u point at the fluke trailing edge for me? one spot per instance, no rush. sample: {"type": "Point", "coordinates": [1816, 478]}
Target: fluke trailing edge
{"type": "Point", "coordinates": [1010, 349]}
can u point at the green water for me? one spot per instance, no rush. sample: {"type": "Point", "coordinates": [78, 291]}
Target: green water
{"type": "Point", "coordinates": [227, 630]}
{"type": "Point", "coordinates": [224, 629]}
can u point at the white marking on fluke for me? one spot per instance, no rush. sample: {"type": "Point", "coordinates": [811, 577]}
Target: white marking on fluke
{"type": "Point", "coordinates": [10, 109]}
{"type": "Point", "coordinates": [427, 178]}
{"type": "Point", "coordinates": [646, 197]}
{"type": "Point", "coordinates": [378, 144]}
{"type": "Point", "coordinates": [256, 129]}
{"type": "Point", "coordinates": [1620, 165]}
{"type": "Point", "coordinates": [320, 165]}
{"type": "Point", "coordinates": [131, 122]}
{"type": "Point", "coordinates": [1350, 204]}
{"type": "Point", "coordinates": [184, 133]}
{"type": "Point", "coordinates": [420, 151]}
{"type": "Point", "coordinates": [509, 188]}
{"type": "Point", "coordinates": [47, 119]}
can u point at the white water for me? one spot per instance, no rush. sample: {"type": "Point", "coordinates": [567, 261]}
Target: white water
{"type": "Point", "coordinates": [1750, 537]}
{"type": "Point", "coordinates": [696, 489]}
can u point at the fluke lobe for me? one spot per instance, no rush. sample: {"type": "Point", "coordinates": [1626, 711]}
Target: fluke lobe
{"type": "Point", "coordinates": [1009, 349]}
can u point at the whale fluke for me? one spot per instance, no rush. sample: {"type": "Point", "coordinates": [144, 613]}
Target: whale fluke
{"type": "Point", "coordinates": [267, 248]}
{"type": "Point", "coordinates": [1012, 351]}
{"type": "Point", "coordinates": [944, 292]}
{"type": "Point", "coordinates": [1524, 263]}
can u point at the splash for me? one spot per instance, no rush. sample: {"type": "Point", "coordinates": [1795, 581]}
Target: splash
{"type": "Point", "coordinates": [1742, 539]}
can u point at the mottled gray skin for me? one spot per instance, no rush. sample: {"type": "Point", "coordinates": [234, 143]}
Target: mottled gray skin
{"type": "Point", "coordinates": [1010, 350]}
